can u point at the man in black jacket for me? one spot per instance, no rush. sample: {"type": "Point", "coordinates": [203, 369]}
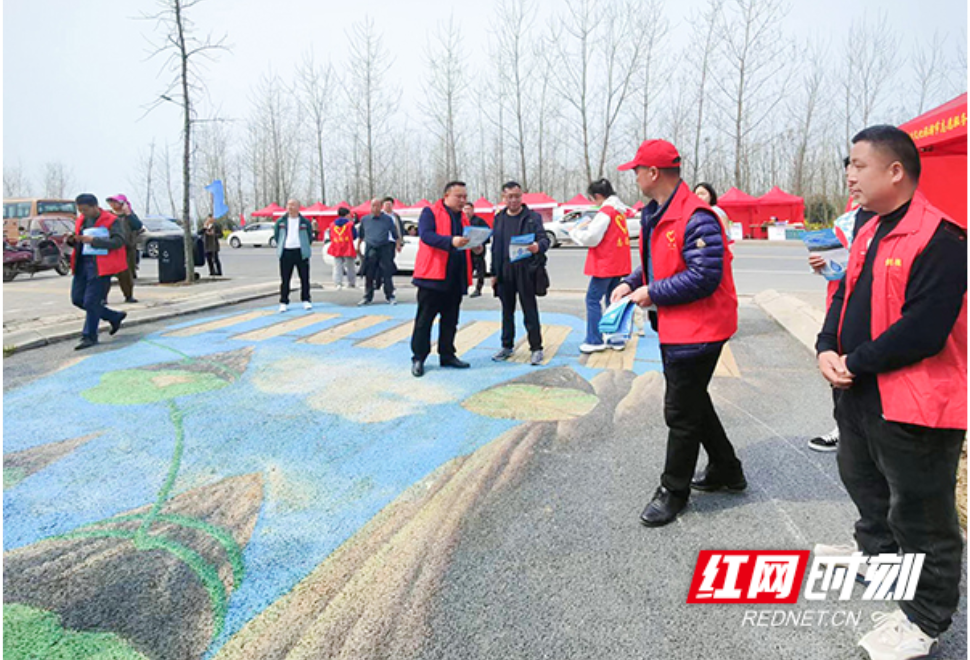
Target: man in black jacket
{"type": "Point", "coordinates": [517, 278]}
{"type": "Point", "coordinates": [478, 260]}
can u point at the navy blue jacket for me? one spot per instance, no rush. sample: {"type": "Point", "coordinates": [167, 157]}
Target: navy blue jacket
{"type": "Point", "coordinates": [703, 252]}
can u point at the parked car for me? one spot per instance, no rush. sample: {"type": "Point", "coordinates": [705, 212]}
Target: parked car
{"type": "Point", "coordinates": [156, 227]}
{"type": "Point", "coordinates": [404, 260]}
{"type": "Point", "coordinates": [256, 234]}
{"type": "Point", "coordinates": [558, 230]}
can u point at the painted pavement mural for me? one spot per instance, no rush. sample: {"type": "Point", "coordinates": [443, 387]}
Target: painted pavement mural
{"type": "Point", "coordinates": [257, 485]}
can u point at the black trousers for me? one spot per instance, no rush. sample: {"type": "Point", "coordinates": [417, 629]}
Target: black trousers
{"type": "Point", "coordinates": [379, 262]}
{"type": "Point", "coordinates": [902, 479]}
{"type": "Point", "coordinates": [215, 266]}
{"type": "Point", "coordinates": [432, 303]}
{"type": "Point", "coordinates": [692, 422]}
{"type": "Point", "coordinates": [478, 266]}
{"type": "Point", "coordinates": [290, 259]}
{"type": "Point", "coordinates": [519, 283]}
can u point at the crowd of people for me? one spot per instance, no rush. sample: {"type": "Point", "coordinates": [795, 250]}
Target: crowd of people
{"type": "Point", "coordinates": [893, 346]}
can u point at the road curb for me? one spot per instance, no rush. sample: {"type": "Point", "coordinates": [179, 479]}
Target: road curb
{"type": "Point", "coordinates": [26, 339]}
{"type": "Point", "coordinates": [800, 319]}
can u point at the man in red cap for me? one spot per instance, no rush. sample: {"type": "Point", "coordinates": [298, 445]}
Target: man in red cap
{"type": "Point", "coordinates": [685, 280]}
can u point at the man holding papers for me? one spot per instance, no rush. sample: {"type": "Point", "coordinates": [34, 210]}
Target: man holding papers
{"type": "Point", "coordinates": [99, 253]}
{"type": "Point", "coordinates": [442, 273]}
{"type": "Point", "coordinates": [686, 275]}
{"type": "Point", "coordinates": [518, 251]}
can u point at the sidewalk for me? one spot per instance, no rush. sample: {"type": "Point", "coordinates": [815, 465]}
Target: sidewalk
{"type": "Point", "coordinates": [802, 315]}
{"type": "Point", "coordinates": [157, 302]}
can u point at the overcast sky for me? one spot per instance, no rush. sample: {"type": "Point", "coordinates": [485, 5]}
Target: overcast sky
{"type": "Point", "coordinates": [76, 78]}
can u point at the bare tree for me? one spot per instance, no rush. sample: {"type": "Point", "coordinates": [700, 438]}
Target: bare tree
{"type": "Point", "coordinates": [371, 98]}
{"type": "Point", "coordinates": [57, 180]}
{"type": "Point", "coordinates": [929, 70]}
{"type": "Point", "coordinates": [871, 51]}
{"type": "Point", "coordinates": [754, 55]}
{"type": "Point", "coordinates": [704, 32]}
{"type": "Point", "coordinates": [654, 27]}
{"type": "Point", "coordinates": [811, 84]}
{"type": "Point", "coordinates": [515, 18]}
{"type": "Point", "coordinates": [445, 89]}
{"type": "Point", "coordinates": [183, 54]}
{"type": "Point", "coordinates": [15, 182]}
{"type": "Point", "coordinates": [317, 86]}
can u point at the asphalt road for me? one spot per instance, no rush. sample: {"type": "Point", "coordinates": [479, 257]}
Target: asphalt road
{"type": "Point", "coordinates": [552, 561]}
{"type": "Point", "coordinates": [757, 266]}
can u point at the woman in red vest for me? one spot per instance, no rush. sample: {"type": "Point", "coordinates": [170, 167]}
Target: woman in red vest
{"type": "Point", "coordinates": [99, 253]}
{"type": "Point", "coordinates": [343, 235]}
{"type": "Point", "coordinates": [895, 343]}
{"type": "Point", "coordinates": [686, 275]}
{"type": "Point", "coordinates": [608, 260]}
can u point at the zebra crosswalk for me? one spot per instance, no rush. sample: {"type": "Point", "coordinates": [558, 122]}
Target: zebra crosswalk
{"type": "Point", "coordinates": [380, 332]}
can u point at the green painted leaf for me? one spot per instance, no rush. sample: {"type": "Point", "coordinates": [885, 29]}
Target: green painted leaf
{"type": "Point", "coordinates": [533, 403]}
{"type": "Point", "coordinates": [136, 386]}
{"type": "Point", "coordinates": [30, 633]}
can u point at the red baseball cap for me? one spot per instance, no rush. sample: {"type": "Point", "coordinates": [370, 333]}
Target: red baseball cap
{"type": "Point", "coordinates": [654, 153]}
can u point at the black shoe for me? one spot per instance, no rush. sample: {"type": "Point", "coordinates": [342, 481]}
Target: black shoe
{"type": "Point", "coordinates": [454, 362]}
{"type": "Point", "coordinates": [710, 480]}
{"type": "Point", "coordinates": [476, 293]}
{"type": "Point", "coordinates": [86, 342]}
{"type": "Point", "coordinates": [116, 325]}
{"type": "Point", "coordinates": [417, 368]}
{"type": "Point", "coordinates": [130, 300]}
{"type": "Point", "coordinates": [663, 508]}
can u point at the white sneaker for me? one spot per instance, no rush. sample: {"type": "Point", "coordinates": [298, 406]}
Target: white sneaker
{"type": "Point", "coordinates": [591, 348]}
{"type": "Point", "coordinates": [617, 346]}
{"type": "Point", "coordinates": [895, 637]}
{"type": "Point", "coordinates": [282, 307]}
{"type": "Point", "coordinates": [308, 305]}
{"type": "Point", "coordinates": [340, 287]}
{"type": "Point", "coordinates": [827, 442]}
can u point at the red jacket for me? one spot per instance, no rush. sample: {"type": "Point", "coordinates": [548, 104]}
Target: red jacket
{"type": "Point", "coordinates": [709, 319]}
{"type": "Point", "coordinates": [115, 261]}
{"type": "Point", "coordinates": [432, 263]}
{"type": "Point", "coordinates": [342, 240]}
{"type": "Point", "coordinates": [931, 392]}
{"type": "Point", "coordinates": [611, 257]}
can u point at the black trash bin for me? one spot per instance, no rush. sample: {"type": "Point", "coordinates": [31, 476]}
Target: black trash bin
{"type": "Point", "coordinates": [171, 259]}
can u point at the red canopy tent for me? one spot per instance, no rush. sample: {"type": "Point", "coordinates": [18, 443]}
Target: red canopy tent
{"type": "Point", "coordinates": [776, 203]}
{"type": "Point", "coordinates": [269, 211]}
{"type": "Point", "coordinates": [317, 209]}
{"type": "Point", "coordinates": [742, 208]}
{"type": "Point", "coordinates": [485, 210]}
{"type": "Point", "coordinates": [541, 203]}
{"type": "Point", "coordinates": [941, 136]}
{"type": "Point", "coordinates": [577, 202]}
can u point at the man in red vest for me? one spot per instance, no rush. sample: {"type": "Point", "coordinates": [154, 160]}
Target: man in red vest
{"type": "Point", "coordinates": [685, 274]}
{"type": "Point", "coordinates": [99, 253]}
{"type": "Point", "coordinates": [442, 274]}
{"type": "Point", "coordinates": [895, 342]}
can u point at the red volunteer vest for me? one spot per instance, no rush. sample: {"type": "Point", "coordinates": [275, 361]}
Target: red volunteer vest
{"type": "Point", "coordinates": [932, 392]}
{"type": "Point", "coordinates": [113, 262]}
{"type": "Point", "coordinates": [432, 263]}
{"type": "Point", "coordinates": [342, 241]}
{"type": "Point", "coordinates": [611, 258]}
{"type": "Point", "coordinates": [710, 319]}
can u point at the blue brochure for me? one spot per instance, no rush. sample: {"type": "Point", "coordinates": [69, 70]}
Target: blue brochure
{"type": "Point", "coordinates": [519, 247]}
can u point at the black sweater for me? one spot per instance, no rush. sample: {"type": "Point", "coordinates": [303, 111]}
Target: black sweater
{"type": "Point", "coordinates": [934, 297]}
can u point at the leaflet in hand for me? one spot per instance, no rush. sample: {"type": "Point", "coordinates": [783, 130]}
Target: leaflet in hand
{"type": "Point", "coordinates": [826, 244]}
{"type": "Point", "coordinates": [476, 236]}
{"type": "Point", "coordinates": [96, 232]}
{"type": "Point", "coordinates": [617, 320]}
{"type": "Point", "coordinates": [519, 247]}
